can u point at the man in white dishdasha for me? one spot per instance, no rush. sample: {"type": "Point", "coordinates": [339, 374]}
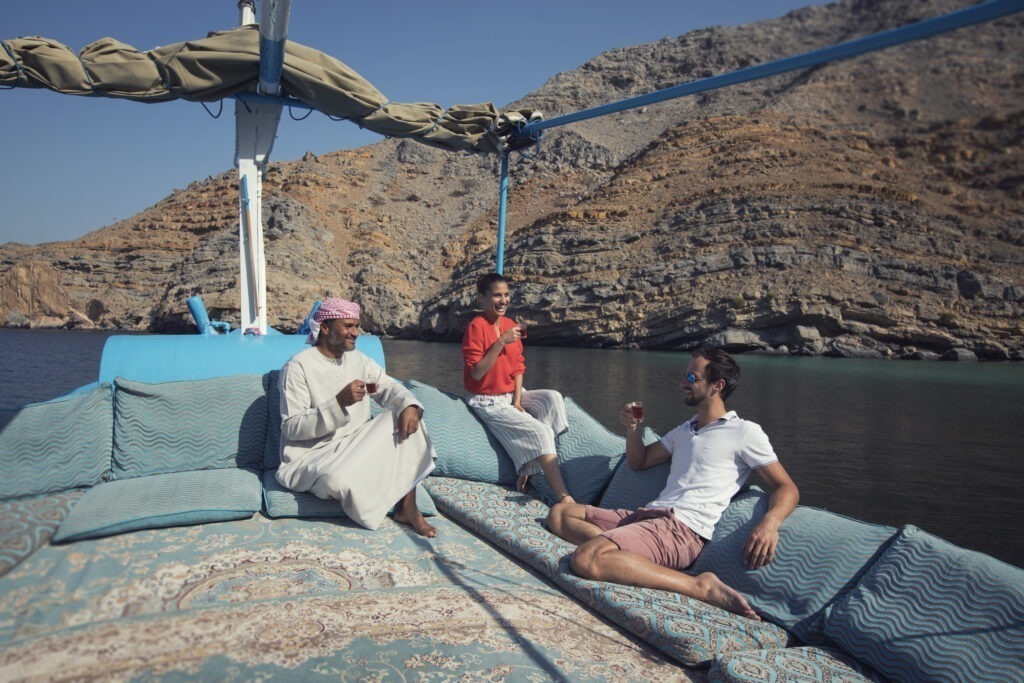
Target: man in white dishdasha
{"type": "Point", "coordinates": [711, 456]}
{"type": "Point", "coordinates": [329, 444]}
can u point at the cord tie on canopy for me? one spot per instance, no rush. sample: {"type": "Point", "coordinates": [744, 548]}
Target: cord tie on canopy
{"type": "Point", "coordinates": [17, 65]}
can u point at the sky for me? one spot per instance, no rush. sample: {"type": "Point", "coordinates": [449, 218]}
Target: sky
{"type": "Point", "coordinates": [74, 164]}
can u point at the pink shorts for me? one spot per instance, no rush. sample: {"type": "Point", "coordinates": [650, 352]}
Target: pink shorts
{"type": "Point", "coordinates": [655, 533]}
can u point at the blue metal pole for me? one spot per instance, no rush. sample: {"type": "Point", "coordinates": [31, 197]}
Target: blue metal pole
{"type": "Point", "coordinates": [502, 205]}
{"type": "Point", "coordinates": [198, 310]}
{"type": "Point", "coordinates": [923, 29]}
{"type": "Point", "coordinates": [273, 31]}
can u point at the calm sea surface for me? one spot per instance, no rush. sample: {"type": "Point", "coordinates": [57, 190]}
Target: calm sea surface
{"type": "Point", "coordinates": [934, 444]}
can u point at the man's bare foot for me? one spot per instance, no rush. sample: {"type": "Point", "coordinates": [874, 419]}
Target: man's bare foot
{"type": "Point", "coordinates": [521, 482]}
{"type": "Point", "coordinates": [409, 513]}
{"type": "Point", "coordinates": [417, 522]}
{"type": "Point", "coordinates": [712, 590]}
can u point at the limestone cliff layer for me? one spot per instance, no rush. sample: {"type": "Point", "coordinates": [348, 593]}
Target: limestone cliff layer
{"type": "Point", "coordinates": [869, 207]}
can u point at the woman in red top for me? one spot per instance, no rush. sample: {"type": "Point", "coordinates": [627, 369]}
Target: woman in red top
{"type": "Point", "coordinates": [525, 422]}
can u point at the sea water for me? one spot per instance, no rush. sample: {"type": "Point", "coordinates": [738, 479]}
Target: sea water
{"type": "Point", "coordinates": [935, 444]}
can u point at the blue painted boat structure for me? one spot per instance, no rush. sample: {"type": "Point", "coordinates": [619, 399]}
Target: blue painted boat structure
{"type": "Point", "coordinates": [143, 536]}
{"type": "Point", "coordinates": [165, 357]}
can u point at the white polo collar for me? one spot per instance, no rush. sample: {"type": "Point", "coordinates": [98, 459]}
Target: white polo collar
{"type": "Point", "coordinates": [731, 415]}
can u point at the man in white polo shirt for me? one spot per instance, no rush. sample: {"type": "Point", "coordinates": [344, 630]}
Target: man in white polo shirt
{"type": "Point", "coordinates": [712, 454]}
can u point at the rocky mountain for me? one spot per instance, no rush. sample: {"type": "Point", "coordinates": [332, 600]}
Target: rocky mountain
{"type": "Point", "coordinates": [871, 207]}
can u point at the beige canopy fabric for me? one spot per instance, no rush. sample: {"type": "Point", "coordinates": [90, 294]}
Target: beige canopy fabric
{"type": "Point", "coordinates": [227, 63]}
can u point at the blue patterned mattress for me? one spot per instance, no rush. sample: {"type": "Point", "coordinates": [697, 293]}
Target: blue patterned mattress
{"type": "Point", "coordinates": [688, 630]}
{"type": "Point", "coordinates": [302, 600]}
{"type": "Point", "coordinates": [131, 549]}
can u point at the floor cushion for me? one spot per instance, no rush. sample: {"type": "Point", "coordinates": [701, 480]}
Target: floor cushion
{"type": "Point", "coordinates": [690, 631]}
{"type": "Point", "coordinates": [281, 502]}
{"type": "Point", "coordinates": [28, 523]}
{"type": "Point", "coordinates": [789, 665]}
{"type": "Point", "coordinates": [820, 556]}
{"type": "Point", "coordinates": [162, 500]}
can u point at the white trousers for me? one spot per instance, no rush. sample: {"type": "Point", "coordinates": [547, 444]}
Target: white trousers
{"type": "Point", "coordinates": [525, 436]}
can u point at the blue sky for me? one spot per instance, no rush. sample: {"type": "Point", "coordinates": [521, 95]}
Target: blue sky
{"type": "Point", "coordinates": [75, 164]}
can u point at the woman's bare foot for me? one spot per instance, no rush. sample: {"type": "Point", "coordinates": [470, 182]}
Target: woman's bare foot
{"type": "Point", "coordinates": [408, 513]}
{"type": "Point", "coordinates": [521, 482]}
{"type": "Point", "coordinates": [712, 590]}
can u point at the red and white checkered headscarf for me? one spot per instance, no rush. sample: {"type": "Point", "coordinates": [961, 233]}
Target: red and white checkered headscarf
{"type": "Point", "coordinates": [331, 309]}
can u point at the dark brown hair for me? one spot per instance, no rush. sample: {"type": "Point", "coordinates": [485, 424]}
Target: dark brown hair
{"type": "Point", "coordinates": [720, 366]}
{"type": "Point", "coordinates": [485, 282]}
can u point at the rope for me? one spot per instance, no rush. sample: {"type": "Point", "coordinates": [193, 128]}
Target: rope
{"type": "Point", "coordinates": [21, 70]}
{"type": "Point", "coordinates": [219, 111]}
{"type": "Point", "coordinates": [163, 76]}
{"type": "Point", "coordinates": [536, 136]}
{"type": "Point", "coordinates": [359, 121]}
{"type": "Point", "coordinates": [303, 118]}
{"type": "Point", "coordinates": [436, 123]}
{"type": "Point", "coordinates": [92, 86]}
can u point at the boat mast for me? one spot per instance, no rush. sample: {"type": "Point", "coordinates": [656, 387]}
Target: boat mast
{"type": "Point", "coordinates": [255, 129]}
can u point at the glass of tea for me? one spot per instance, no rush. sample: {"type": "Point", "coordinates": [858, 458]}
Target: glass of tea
{"type": "Point", "coordinates": [638, 409]}
{"type": "Point", "coordinates": [371, 387]}
{"type": "Point", "coordinates": [522, 330]}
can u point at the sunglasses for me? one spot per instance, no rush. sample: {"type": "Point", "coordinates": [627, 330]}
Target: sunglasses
{"type": "Point", "coordinates": [692, 378]}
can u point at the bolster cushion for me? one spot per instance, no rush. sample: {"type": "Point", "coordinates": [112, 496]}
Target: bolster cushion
{"type": "Point", "coordinates": [465, 449]}
{"type": "Point", "coordinates": [632, 489]}
{"type": "Point", "coordinates": [819, 558]}
{"type": "Point", "coordinates": [587, 455]}
{"type": "Point", "coordinates": [928, 610]}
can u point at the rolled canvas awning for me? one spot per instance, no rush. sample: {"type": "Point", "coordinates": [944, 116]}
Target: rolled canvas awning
{"type": "Point", "coordinates": [227, 63]}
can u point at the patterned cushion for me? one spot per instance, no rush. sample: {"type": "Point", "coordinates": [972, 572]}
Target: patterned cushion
{"type": "Point", "coordinates": [789, 665]}
{"type": "Point", "coordinates": [28, 523]}
{"type": "Point", "coordinates": [281, 502]}
{"type": "Point", "coordinates": [162, 500]}
{"type": "Point", "coordinates": [819, 558]}
{"type": "Point", "coordinates": [465, 449]}
{"type": "Point", "coordinates": [633, 489]}
{"type": "Point", "coordinates": [929, 610]}
{"type": "Point", "coordinates": [189, 425]}
{"type": "Point", "coordinates": [61, 444]}
{"type": "Point", "coordinates": [690, 631]}
{"type": "Point", "coordinates": [587, 456]}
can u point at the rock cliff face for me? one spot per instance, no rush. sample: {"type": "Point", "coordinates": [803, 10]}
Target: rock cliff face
{"type": "Point", "coordinates": [873, 207]}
